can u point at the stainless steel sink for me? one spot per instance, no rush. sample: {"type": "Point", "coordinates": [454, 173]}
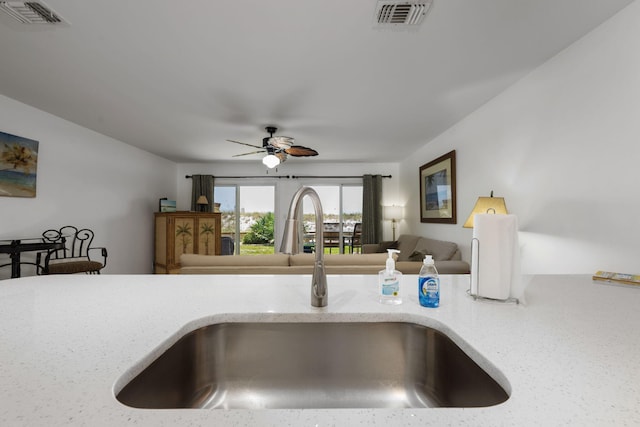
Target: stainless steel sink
{"type": "Point", "coordinates": [313, 365]}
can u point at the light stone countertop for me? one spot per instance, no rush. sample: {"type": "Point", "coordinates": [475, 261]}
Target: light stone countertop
{"type": "Point", "coordinates": [570, 356]}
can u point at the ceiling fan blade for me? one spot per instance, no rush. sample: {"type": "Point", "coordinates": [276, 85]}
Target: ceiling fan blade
{"type": "Point", "coordinates": [246, 154]}
{"type": "Point", "coordinates": [281, 141]}
{"type": "Point", "coordinates": [244, 143]}
{"type": "Point", "coordinates": [300, 151]}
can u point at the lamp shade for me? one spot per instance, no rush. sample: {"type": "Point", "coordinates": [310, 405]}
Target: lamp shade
{"type": "Point", "coordinates": [271, 161]}
{"type": "Point", "coordinates": [392, 212]}
{"type": "Point", "coordinates": [202, 200]}
{"type": "Point", "coordinates": [491, 204]}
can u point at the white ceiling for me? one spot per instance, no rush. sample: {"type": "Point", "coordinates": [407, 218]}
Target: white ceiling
{"type": "Point", "coordinates": [178, 78]}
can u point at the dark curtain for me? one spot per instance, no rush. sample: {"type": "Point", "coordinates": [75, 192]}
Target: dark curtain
{"type": "Point", "coordinates": [202, 185]}
{"type": "Point", "coordinates": [371, 209]}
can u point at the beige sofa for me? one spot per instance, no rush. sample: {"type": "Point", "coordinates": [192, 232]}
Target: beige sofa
{"type": "Point", "coordinates": [412, 249]}
{"type": "Point", "coordinates": [446, 255]}
{"type": "Point", "coordinates": [281, 264]}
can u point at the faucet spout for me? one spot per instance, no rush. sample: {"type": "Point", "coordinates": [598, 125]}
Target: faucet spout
{"type": "Point", "coordinates": [291, 245]}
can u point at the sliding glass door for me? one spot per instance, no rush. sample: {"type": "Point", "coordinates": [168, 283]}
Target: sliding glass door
{"type": "Point", "coordinates": [342, 218]}
{"type": "Point", "coordinates": [247, 218]}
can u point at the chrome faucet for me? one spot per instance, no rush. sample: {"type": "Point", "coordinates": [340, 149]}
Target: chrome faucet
{"type": "Point", "coordinates": [291, 245]}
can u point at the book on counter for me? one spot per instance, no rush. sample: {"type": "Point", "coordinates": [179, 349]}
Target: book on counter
{"type": "Point", "coordinates": [607, 276]}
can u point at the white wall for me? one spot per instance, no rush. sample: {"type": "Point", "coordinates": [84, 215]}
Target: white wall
{"type": "Point", "coordinates": [563, 147]}
{"type": "Point", "coordinates": [88, 180]}
{"type": "Point", "coordinates": [285, 188]}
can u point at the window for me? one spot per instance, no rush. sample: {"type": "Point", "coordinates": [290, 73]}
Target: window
{"type": "Point", "coordinates": [342, 211]}
{"type": "Point", "coordinates": [247, 217]}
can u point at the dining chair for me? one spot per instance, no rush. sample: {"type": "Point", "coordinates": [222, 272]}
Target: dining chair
{"type": "Point", "coordinates": [76, 255]}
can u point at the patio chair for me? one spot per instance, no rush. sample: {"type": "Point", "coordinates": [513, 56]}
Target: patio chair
{"type": "Point", "coordinates": [331, 236]}
{"type": "Point", "coordinates": [356, 237]}
{"type": "Point", "coordinates": [227, 246]}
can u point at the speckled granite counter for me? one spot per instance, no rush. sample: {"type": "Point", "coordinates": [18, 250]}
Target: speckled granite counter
{"type": "Point", "coordinates": [571, 356]}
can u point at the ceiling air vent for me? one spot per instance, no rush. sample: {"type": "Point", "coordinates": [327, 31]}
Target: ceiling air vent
{"type": "Point", "coordinates": [31, 12]}
{"type": "Point", "coordinates": [402, 12]}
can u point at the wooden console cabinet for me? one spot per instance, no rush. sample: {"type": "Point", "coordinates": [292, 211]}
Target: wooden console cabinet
{"type": "Point", "coordinates": [178, 233]}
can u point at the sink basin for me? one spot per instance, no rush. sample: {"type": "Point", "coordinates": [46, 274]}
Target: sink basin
{"type": "Point", "coordinates": [259, 365]}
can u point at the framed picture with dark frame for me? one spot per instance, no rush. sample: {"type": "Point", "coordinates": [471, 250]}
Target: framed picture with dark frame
{"type": "Point", "coordinates": [438, 190]}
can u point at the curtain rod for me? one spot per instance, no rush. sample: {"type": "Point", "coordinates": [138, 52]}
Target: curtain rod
{"type": "Point", "coordinates": [288, 176]}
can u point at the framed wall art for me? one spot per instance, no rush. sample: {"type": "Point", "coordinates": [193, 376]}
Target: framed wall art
{"type": "Point", "coordinates": [167, 205]}
{"type": "Point", "coordinates": [18, 166]}
{"type": "Point", "coordinates": [438, 190]}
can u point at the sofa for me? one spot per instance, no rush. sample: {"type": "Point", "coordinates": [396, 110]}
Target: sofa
{"type": "Point", "coordinates": [447, 256]}
{"type": "Point", "coordinates": [282, 264]}
{"type": "Point", "coordinates": [412, 249]}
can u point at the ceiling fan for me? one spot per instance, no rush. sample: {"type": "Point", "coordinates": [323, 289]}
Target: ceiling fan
{"type": "Point", "coordinates": [278, 148]}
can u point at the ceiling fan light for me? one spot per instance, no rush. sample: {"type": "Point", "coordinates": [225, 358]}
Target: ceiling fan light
{"type": "Point", "coordinates": [271, 161]}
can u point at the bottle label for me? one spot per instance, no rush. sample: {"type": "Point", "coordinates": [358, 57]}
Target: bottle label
{"type": "Point", "coordinates": [391, 287]}
{"type": "Point", "coordinates": [429, 291]}
{"type": "Point", "coordinates": [429, 286]}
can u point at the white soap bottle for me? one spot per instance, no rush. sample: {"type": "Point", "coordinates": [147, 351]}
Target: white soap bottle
{"type": "Point", "coordinates": [389, 280]}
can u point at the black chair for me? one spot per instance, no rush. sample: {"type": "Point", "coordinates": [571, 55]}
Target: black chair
{"type": "Point", "coordinates": [76, 255]}
{"type": "Point", "coordinates": [356, 237]}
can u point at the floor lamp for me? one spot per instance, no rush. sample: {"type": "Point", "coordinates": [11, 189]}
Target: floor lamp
{"type": "Point", "coordinates": [393, 214]}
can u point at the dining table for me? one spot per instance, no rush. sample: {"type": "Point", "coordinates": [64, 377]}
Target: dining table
{"type": "Point", "coordinates": [15, 247]}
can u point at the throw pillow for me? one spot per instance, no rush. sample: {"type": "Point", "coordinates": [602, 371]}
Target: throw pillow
{"type": "Point", "coordinates": [440, 249]}
{"type": "Point", "coordinates": [418, 256]}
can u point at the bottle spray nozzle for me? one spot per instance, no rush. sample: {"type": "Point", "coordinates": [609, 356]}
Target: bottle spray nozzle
{"type": "Point", "coordinates": [391, 263]}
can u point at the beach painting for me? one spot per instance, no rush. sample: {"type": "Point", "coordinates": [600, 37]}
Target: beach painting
{"type": "Point", "coordinates": [18, 166]}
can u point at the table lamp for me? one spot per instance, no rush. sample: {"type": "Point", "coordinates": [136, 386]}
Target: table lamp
{"type": "Point", "coordinates": [202, 203]}
{"type": "Point", "coordinates": [494, 205]}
